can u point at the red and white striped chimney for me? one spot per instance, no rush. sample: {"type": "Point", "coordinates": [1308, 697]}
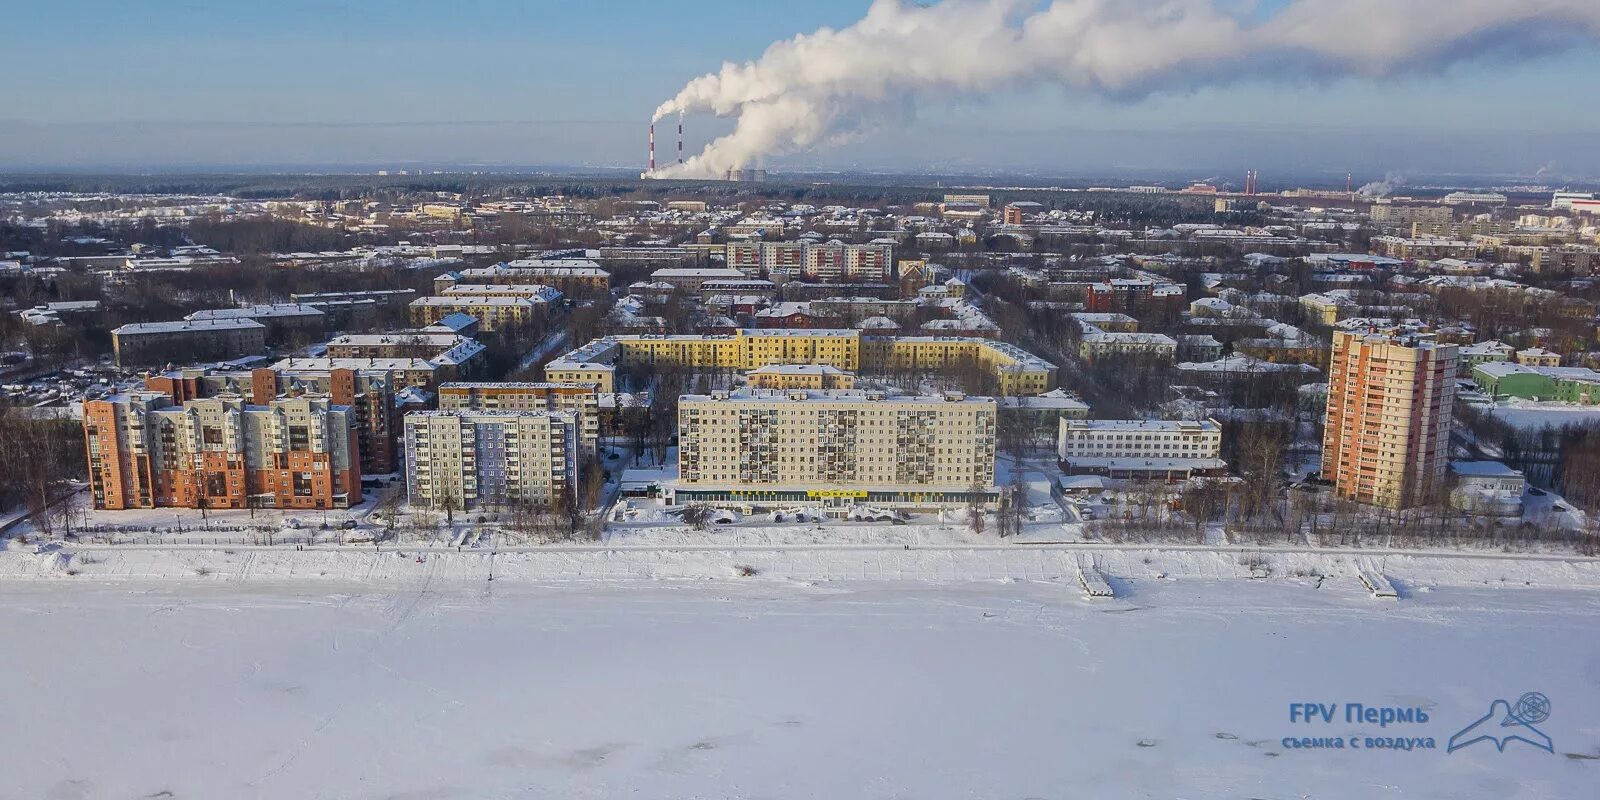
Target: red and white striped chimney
{"type": "Point", "coordinates": [680, 137]}
{"type": "Point", "coordinates": [652, 147]}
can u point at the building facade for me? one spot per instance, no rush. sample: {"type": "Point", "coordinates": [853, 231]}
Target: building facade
{"type": "Point", "coordinates": [582, 400]}
{"type": "Point", "coordinates": [470, 459]}
{"type": "Point", "coordinates": [570, 275]}
{"type": "Point", "coordinates": [840, 447]}
{"type": "Point", "coordinates": [1140, 449]}
{"type": "Point", "coordinates": [1387, 431]}
{"type": "Point", "coordinates": [144, 451]}
{"type": "Point", "coordinates": [369, 394]}
{"type": "Point", "coordinates": [494, 313]}
{"type": "Point", "coordinates": [1015, 371]}
{"type": "Point", "coordinates": [144, 343]}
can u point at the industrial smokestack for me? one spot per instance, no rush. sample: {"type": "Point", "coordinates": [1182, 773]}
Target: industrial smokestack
{"type": "Point", "coordinates": [840, 83]}
{"type": "Point", "coordinates": [652, 147]}
{"type": "Point", "coordinates": [680, 137]}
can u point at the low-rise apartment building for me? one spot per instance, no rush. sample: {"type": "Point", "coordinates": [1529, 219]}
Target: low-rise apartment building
{"type": "Point", "coordinates": [538, 293]}
{"type": "Point", "coordinates": [1167, 450]}
{"type": "Point", "coordinates": [495, 313]}
{"type": "Point", "coordinates": [570, 275]}
{"type": "Point", "coordinates": [182, 341]}
{"type": "Point", "coordinates": [1016, 371]}
{"type": "Point", "coordinates": [799, 376]}
{"type": "Point", "coordinates": [284, 321]}
{"type": "Point", "coordinates": [1095, 346]}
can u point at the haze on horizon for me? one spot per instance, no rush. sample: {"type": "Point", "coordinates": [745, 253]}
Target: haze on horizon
{"type": "Point", "coordinates": [164, 85]}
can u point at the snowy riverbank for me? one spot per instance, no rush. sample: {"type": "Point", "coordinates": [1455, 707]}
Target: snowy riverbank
{"type": "Point", "coordinates": [936, 563]}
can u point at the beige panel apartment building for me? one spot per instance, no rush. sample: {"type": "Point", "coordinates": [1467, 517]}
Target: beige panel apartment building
{"type": "Point", "coordinates": [774, 448]}
{"type": "Point", "coordinates": [1387, 439]}
{"type": "Point", "coordinates": [582, 400]}
{"type": "Point", "coordinates": [468, 459]}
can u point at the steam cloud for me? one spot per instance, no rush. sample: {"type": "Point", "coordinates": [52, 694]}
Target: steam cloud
{"type": "Point", "coordinates": [1390, 184]}
{"type": "Point", "coordinates": [829, 86]}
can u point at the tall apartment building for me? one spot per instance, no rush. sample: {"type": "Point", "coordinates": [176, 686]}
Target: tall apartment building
{"type": "Point", "coordinates": [582, 400]}
{"type": "Point", "coordinates": [1387, 439]}
{"type": "Point", "coordinates": [369, 394]}
{"type": "Point", "coordinates": [145, 451]}
{"type": "Point", "coordinates": [838, 447]}
{"type": "Point", "coordinates": [465, 459]}
{"type": "Point", "coordinates": [142, 343]}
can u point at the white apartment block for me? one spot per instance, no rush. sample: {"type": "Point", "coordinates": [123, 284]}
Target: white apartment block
{"type": "Point", "coordinates": [465, 459]}
{"type": "Point", "coordinates": [1140, 449]}
{"type": "Point", "coordinates": [837, 447]}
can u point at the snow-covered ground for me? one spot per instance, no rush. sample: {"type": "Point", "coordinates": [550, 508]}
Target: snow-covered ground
{"type": "Point", "coordinates": [1527, 414]}
{"type": "Point", "coordinates": [727, 689]}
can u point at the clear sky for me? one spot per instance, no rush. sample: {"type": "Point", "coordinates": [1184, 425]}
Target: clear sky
{"type": "Point", "coordinates": [157, 83]}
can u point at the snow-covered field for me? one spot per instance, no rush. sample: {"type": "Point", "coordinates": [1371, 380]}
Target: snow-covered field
{"type": "Point", "coordinates": [1530, 415]}
{"type": "Point", "coordinates": [778, 689]}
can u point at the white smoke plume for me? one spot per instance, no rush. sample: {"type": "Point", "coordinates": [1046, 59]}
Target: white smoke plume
{"type": "Point", "coordinates": [819, 88]}
{"type": "Point", "coordinates": [1391, 183]}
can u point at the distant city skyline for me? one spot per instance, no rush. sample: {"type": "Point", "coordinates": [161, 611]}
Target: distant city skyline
{"type": "Point", "coordinates": [163, 85]}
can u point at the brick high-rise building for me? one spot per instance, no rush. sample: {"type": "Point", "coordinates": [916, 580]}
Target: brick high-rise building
{"type": "Point", "coordinates": [1387, 439]}
{"type": "Point", "coordinates": [369, 393]}
{"type": "Point", "coordinates": [221, 452]}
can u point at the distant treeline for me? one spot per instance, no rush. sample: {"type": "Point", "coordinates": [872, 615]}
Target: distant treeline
{"type": "Point", "coordinates": [817, 190]}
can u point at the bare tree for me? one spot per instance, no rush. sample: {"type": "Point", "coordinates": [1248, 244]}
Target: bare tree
{"type": "Point", "coordinates": [697, 516]}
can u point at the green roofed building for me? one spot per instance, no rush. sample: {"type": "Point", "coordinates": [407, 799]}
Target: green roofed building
{"type": "Point", "coordinates": [1566, 384]}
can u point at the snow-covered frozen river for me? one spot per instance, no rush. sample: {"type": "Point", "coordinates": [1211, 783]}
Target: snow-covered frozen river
{"type": "Point", "coordinates": [780, 690]}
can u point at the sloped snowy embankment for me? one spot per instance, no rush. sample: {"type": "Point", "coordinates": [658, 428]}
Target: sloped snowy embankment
{"type": "Point", "coordinates": [1017, 562]}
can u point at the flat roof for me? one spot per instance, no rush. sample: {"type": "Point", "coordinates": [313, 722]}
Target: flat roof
{"type": "Point", "coordinates": [177, 326]}
{"type": "Point", "coordinates": [471, 300]}
{"type": "Point", "coordinates": [829, 396]}
{"type": "Point", "coordinates": [1120, 425]}
{"type": "Point", "coordinates": [517, 385]}
{"type": "Point", "coordinates": [1145, 464]}
{"type": "Point", "coordinates": [1484, 469]}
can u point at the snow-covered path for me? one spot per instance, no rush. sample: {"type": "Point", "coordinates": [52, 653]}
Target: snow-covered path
{"type": "Point", "coordinates": [431, 689]}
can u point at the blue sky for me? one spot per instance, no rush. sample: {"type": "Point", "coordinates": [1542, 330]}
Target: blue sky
{"type": "Point", "coordinates": [164, 84]}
